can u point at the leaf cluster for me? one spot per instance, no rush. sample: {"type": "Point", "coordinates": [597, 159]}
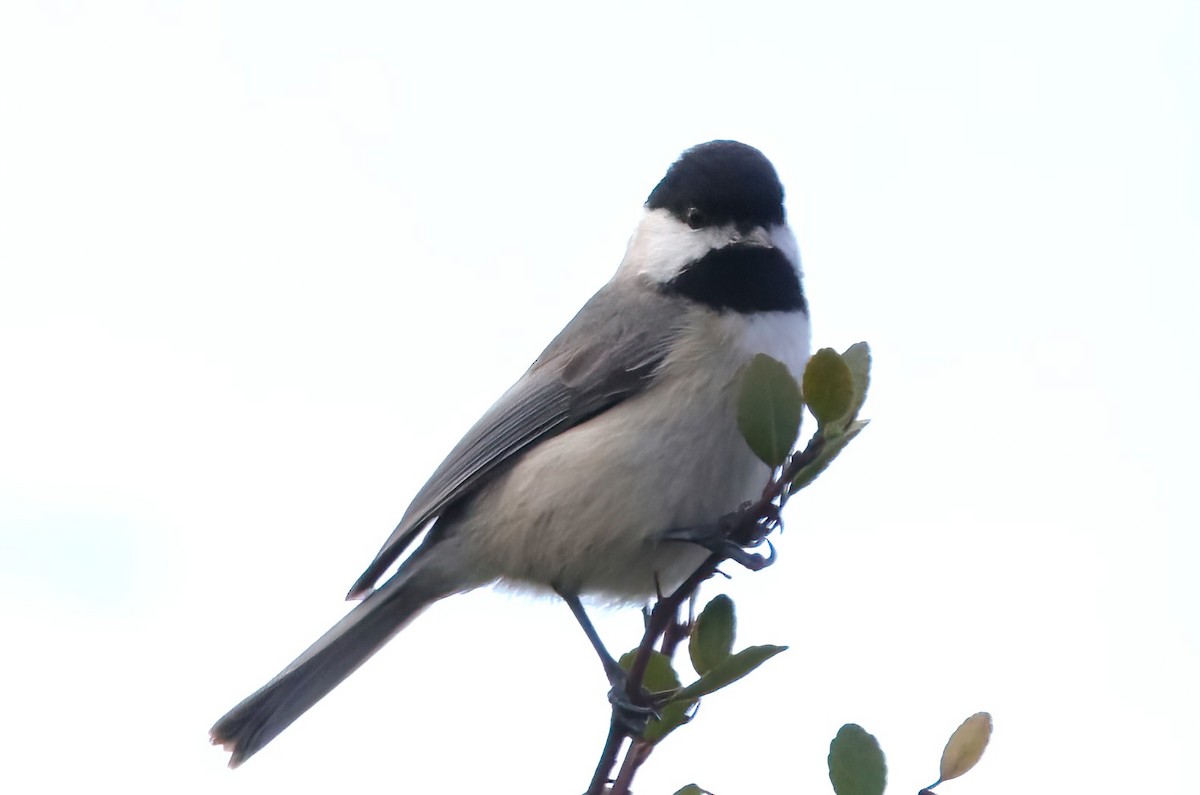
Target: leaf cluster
{"type": "Point", "coordinates": [771, 401]}
{"type": "Point", "coordinates": [769, 412]}
{"type": "Point", "coordinates": [770, 409]}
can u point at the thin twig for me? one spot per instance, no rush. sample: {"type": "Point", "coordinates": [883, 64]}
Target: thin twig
{"type": "Point", "coordinates": [608, 758]}
{"type": "Point", "coordinates": [677, 630]}
{"type": "Point", "coordinates": [639, 750]}
{"type": "Point", "coordinates": [664, 611]}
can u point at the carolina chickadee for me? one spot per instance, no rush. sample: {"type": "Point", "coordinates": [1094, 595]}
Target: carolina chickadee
{"type": "Point", "coordinates": [622, 430]}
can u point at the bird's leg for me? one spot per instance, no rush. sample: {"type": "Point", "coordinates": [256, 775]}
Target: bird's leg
{"type": "Point", "coordinates": [717, 538]}
{"type": "Point", "coordinates": [632, 717]}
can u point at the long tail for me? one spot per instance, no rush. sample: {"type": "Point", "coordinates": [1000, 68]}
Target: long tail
{"type": "Point", "coordinates": [252, 724]}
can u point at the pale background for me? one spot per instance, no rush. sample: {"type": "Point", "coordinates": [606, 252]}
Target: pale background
{"type": "Point", "coordinates": [264, 263]}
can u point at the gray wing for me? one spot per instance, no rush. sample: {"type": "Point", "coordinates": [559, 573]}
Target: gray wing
{"type": "Point", "coordinates": [606, 354]}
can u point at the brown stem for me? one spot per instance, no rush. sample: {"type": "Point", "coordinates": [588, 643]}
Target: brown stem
{"type": "Point", "coordinates": [639, 751]}
{"type": "Point", "coordinates": [676, 631]}
{"type": "Point", "coordinates": [608, 758]}
{"type": "Point", "coordinates": [664, 612]}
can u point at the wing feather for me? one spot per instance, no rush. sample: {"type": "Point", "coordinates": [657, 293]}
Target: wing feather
{"type": "Point", "coordinates": [606, 354]}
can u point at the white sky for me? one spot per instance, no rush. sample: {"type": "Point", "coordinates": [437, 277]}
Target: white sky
{"type": "Point", "coordinates": [262, 264]}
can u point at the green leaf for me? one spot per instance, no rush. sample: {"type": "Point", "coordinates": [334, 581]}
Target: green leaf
{"type": "Point", "coordinates": [832, 447]}
{"type": "Point", "coordinates": [692, 789]}
{"type": "Point", "coordinates": [728, 672]}
{"type": "Point", "coordinates": [660, 676]}
{"type": "Point", "coordinates": [966, 746]}
{"type": "Point", "coordinates": [858, 358]}
{"type": "Point", "coordinates": [856, 763]}
{"type": "Point", "coordinates": [828, 386]}
{"type": "Point", "coordinates": [673, 715]}
{"type": "Point", "coordinates": [769, 408]}
{"type": "Point", "coordinates": [712, 635]}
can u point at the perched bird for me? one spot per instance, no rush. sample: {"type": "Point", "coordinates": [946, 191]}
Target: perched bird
{"type": "Point", "coordinates": [623, 430]}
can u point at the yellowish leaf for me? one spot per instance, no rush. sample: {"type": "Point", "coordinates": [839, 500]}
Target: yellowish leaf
{"type": "Point", "coordinates": [966, 745]}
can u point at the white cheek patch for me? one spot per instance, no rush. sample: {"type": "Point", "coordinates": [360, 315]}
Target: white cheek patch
{"type": "Point", "coordinates": [662, 245]}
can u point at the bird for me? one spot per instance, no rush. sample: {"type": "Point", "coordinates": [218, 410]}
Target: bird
{"type": "Point", "coordinates": [623, 430]}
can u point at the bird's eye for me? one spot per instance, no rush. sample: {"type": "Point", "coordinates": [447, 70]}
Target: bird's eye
{"type": "Point", "coordinates": [695, 218]}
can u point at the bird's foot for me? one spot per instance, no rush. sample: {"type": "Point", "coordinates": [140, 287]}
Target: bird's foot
{"type": "Point", "coordinates": [632, 715]}
{"type": "Point", "coordinates": [716, 539]}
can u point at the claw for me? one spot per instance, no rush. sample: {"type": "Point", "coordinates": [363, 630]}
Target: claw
{"type": "Point", "coordinates": [632, 718]}
{"type": "Point", "coordinates": [774, 518]}
{"type": "Point", "coordinates": [631, 713]}
{"type": "Point", "coordinates": [750, 560]}
{"type": "Point", "coordinates": [713, 538]}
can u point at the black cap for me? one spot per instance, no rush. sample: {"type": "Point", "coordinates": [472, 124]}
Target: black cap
{"type": "Point", "coordinates": [721, 182]}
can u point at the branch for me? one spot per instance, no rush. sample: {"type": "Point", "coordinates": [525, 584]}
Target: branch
{"type": "Point", "coordinates": [748, 527]}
